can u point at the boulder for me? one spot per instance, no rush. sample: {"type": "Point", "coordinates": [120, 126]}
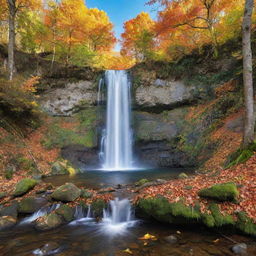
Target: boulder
{"type": "Point", "coordinates": [48, 222]}
{"type": "Point", "coordinates": [10, 210]}
{"type": "Point", "coordinates": [239, 249]}
{"type": "Point", "coordinates": [23, 186]}
{"type": "Point", "coordinates": [31, 204]}
{"type": "Point", "coordinates": [59, 168]}
{"type": "Point", "coordinates": [220, 192]}
{"type": "Point", "coordinates": [66, 193]}
{"type": "Point", "coordinates": [7, 222]}
{"type": "Point", "coordinates": [66, 212]}
{"type": "Point", "coordinates": [183, 176]}
{"type": "Point", "coordinates": [171, 239]}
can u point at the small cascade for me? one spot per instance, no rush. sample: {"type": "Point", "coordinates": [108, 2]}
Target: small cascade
{"type": "Point", "coordinates": [40, 213]}
{"type": "Point", "coordinates": [81, 215]}
{"type": "Point", "coordinates": [118, 217]}
{"type": "Point", "coordinates": [116, 143]}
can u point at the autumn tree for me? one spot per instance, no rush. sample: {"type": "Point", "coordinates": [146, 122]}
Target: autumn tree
{"type": "Point", "coordinates": [14, 7]}
{"type": "Point", "coordinates": [247, 75]}
{"type": "Point", "coordinates": [138, 36]}
{"type": "Point", "coordinates": [201, 15]}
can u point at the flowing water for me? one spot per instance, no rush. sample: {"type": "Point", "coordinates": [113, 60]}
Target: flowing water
{"type": "Point", "coordinates": [117, 137]}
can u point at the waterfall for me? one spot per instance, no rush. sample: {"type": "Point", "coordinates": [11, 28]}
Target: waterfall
{"type": "Point", "coordinates": [118, 217]}
{"type": "Point", "coordinates": [116, 143]}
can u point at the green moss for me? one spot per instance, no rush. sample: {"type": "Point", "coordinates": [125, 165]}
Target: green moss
{"type": "Point", "coordinates": [98, 206]}
{"type": "Point", "coordinates": [8, 174]}
{"type": "Point", "coordinates": [220, 192]}
{"type": "Point", "coordinates": [183, 175]}
{"type": "Point", "coordinates": [60, 137]}
{"type": "Point", "coordinates": [245, 224]}
{"type": "Point", "coordinates": [208, 220]}
{"type": "Point", "coordinates": [141, 182]}
{"type": "Point", "coordinates": [23, 186]}
{"type": "Point", "coordinates": [85, 193]}
{"type": "Point", "coordinates": [160, 209]}
{"type": "Point", "coordinates": [240, 156]}
{"type": "Point", "coordinates": [219, 219]}
{"type": "Point", "coordinates": [66, 212]}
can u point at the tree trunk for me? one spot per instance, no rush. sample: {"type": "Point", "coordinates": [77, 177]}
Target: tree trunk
{"type": "Point", "coordinates": [247, 75]}
{"type": "Point", "coordinates": [11, 43]}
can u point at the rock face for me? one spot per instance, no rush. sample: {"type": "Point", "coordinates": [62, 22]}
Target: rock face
{"type": "Point", "coordinates": [65, 101]}
{"type": "Point", "coordinates": [66, 193]}
{"type": "Point", "coordinates": [163, 93]}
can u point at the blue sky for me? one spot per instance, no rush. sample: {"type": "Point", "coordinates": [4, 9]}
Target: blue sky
{"type": "Point", "coordinates": [120, 11]}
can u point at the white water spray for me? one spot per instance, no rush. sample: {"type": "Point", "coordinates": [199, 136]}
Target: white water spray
{"type": "Point", "coordinates": [118, 217]}
{"type": "Point", "coordinates": [117, 141]}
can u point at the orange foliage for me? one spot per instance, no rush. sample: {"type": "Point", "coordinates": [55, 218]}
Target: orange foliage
{"type": "Point", "coordinates": [29, 85]}
{"type": "Point", "coordinates": [138, 34]}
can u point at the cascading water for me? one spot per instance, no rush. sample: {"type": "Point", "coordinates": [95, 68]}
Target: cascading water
{"type": "Point", "coordinates": [118, 217]}
{"type": "Point", "coordinates": [116, 151]}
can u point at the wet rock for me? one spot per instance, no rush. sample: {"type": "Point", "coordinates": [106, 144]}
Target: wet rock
{"type": "Point", "coordinates": [50, 248]}
{"type": "Point", "coordinates": [23, 186]}
{"type": "Point", "coordinates": [220, 192]}
{"type": "Point", "coordinates": [10, 210]}
{"type": "Point", "coordinates": [66, 212]}
{"type": "Point", "coordinates": [48, 222]}
{"type": "Point", "coordinates": [171, 239]}
{"type": "Point", "coordinates": [66, 193]}
{"type": "Point", "coordinates": [240, 249]}
{"type": "Point", "coordinates": [31, 204]}
{"type": "Point", "coordinates": [7, 222]}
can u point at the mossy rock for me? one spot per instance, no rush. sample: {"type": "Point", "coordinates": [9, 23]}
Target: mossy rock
{"type": "Point", "coordinates": [66, 193]}
{"type": "Point", "coordinates": [25, 163]}
{"type": "Point", "coordinates": [10, 210]}
{"type": "Point", "coordinates": [183, 176]}
{"type": "Point", "coordinates": [23, 186]}
{"type": "Point", "coordinates": [59, 168]}
{"type": "Point", "coordinates": [31, 204]}
{"type": "Point", "coordinates": [48, 222]}
{"type": "Point", "coordinates": [86, 194]}
{"type": "Point", "coordinates": [245, 224]}
{"type": "Point", "coordinates": [97, 207]}
{"type": "Point", "coordinates": [208, 220]}
{"type": "Point", "coordinates": [160, 209]}
{"type": "Point", "coordinates": [141, 182]}
{"type": "Point", "coordinates": [220, 192]}
{"type": "Point", "coordinates": [66, 212]}
{"type": "Point", "coordinates": [62, 167]}
{"type": "Point", "coordinates": [220, 219]}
